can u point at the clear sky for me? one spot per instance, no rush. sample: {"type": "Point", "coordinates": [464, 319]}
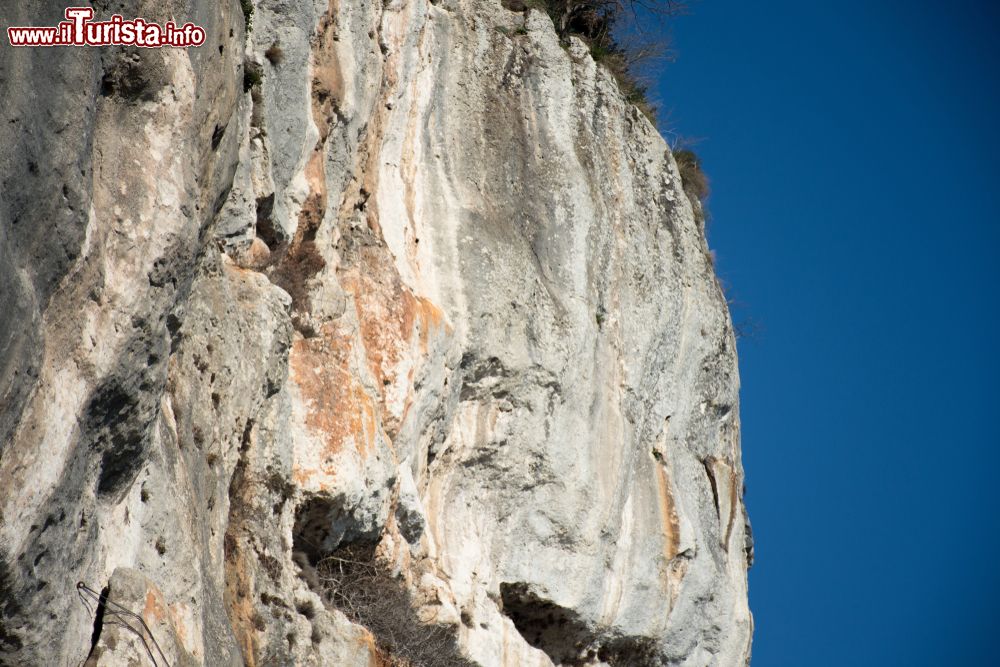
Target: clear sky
{"type": "Point", "coordinates": [854, 153]}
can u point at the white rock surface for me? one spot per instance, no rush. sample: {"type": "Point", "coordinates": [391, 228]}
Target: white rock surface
{"type": "Point", "coordinates": [433, 285]}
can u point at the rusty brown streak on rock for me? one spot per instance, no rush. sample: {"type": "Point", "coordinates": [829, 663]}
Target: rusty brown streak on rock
{"type": "Point", "coordinates": [238, 594]}
{"type": "Point", "coordinates": [391, 319]}
{"type": "Point", "coordinates": [668, 514]}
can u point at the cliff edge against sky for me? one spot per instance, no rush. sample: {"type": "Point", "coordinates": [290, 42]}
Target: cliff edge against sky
{"type": "Point", "coordinates": [373, 304]}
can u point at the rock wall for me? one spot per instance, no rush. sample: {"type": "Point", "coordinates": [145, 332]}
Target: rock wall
{"type": "Point", "coordinates": [405, 281]}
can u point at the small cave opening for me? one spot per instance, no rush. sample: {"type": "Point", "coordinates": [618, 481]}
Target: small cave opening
{"type": "Point", "coordinates": [314, 531]}
{"type": "Point", "coordinates": [566, 638]}
{"type": "Point", "coordinates": [547, 626]}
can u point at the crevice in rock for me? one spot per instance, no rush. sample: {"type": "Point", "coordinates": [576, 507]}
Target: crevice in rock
{"type": "Point", "coordinates": [220, 131]}
{"type": "Point", "coordinates": [238, 582]}
{"type": "Point", "coordinates": [269, 233]}
{"type": "Point", "coordinates": [713, 484]}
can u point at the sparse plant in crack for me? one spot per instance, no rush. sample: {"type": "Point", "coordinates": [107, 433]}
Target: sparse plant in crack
{"type": "Point", "coordinates": [253, 76]}
{"type": "Point", "coordinates": [612, 29]}
{"type": "Point", "coordinates": [693, 180]}
{"type": "Point", "coordinates": [355, 581]}
{"type": "Point", "coordinates": [247, 7]}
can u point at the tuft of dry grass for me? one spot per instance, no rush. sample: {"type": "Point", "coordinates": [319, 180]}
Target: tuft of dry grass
{"type": "Point", "coordinates": [275, 54]}
{"type": "Point", "coordinates": [692, 177]}
{"type": "Point", "coordinates": [357, 583]}
{"type": "Point", "coordinates": [296, 269]}
{"type": "Point", "coordinates": [612, 31]}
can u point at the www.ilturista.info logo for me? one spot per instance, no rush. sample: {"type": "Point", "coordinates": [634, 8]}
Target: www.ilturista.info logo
{"type": "Point", "coordinates": [79, 30]}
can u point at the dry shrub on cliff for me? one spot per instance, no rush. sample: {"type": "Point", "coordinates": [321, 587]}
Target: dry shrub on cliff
{"type": "Point", "coordinates": [692, 177]}
{"type": "Point", "coordinates": [298, 266]}
{"type": "Point", "coordinates": [275, 54]}
{"type": "Point", "coordinates": [611, 28]}
{"type": "Point", "coordinates": [363, 588]}
{"type": "Point", "coordinates": [253, 76]}
{"type": "Point", "coordinates": [296, 262]}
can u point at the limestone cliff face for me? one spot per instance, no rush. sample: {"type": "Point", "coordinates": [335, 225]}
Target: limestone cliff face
{"type": "Point", "coordinates": [429, 294]}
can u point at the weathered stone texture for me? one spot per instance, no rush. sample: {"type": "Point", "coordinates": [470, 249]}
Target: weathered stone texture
{"type": "Point", "coordinates": [431, 286]}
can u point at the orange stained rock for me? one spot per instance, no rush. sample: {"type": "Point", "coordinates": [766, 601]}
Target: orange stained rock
{"type": "Point", "coordinates": [176, 613]}
{"type": "Point", "coordinates": [668, 514]}
{"type": "Point", "coordinates": [338, 407]}
{"type": "Point", "coordinates": [153, 611]}
{"type": "Point", "coordinates": [239, 602]}
{"type": "Point", "coordinates": [396, 326]}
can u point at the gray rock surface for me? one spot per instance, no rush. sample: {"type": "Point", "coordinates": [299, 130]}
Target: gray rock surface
{"type": "Point", "coordinates": [432, 292]}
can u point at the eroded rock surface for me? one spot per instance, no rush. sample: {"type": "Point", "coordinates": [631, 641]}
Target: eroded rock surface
{"type": "Point", "coordinates": [430, 291]}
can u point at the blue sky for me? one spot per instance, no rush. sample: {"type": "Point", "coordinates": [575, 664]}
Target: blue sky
{"type": "Point", "coordinates": [854, 154]}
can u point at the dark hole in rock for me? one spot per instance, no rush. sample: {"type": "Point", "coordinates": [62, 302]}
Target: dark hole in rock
{"type": "Point", "coordinates": [121, 463]}
{"type": "Point", "coordinates": [10, 605]}
{"type": "Point", "coordinates": [116, 423]}
{"type": "Point", "coordinates": [220, 131]}
{"type": "Point", "coordinates": [266, 229]}
{"type": "Point", "coordinates": [565, 638]}
{"type": "Point", "coordinates": [135, 75]}
{"type": "Point", "coordinates": [547, 626]}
